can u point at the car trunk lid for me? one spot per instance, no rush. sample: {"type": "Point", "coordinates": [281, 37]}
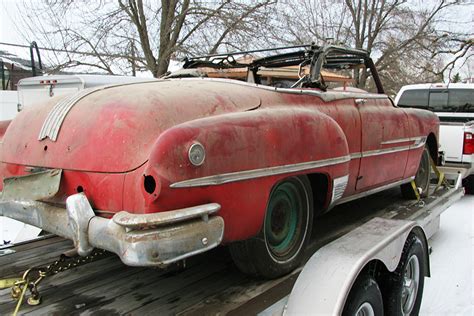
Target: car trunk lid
{"type": "Point", "coordinates": [114, 128]}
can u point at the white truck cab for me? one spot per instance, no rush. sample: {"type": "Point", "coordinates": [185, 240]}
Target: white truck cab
{"type": "Point", "coordinates": [454, 105]}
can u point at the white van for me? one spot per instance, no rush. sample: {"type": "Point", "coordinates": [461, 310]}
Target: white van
{"type": "Point", "coordinates": [36, 89]}
{"type": "Point", "coordinates": [454, 105]}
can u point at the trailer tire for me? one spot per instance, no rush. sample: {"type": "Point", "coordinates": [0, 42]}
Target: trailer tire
{"type": "Point", "coordinates": [468, 184]}
{"type": "Point", "coordinates": [279, 247]}
{"type": "Point", "coordinates": [365, 298]}
{"type": "Point", "coordinates": [422, 178]}
{"type": "Point", "coordinates": [406, 286]}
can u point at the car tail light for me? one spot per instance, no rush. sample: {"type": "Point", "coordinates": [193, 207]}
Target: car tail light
{"type": "Point", "coordinates": [468, 147]}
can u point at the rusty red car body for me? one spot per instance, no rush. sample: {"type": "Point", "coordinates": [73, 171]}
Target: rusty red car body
{"type": "Point", "coordinates": [114, 139]}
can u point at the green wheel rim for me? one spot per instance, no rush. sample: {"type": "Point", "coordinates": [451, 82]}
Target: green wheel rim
{"type": "Point", "coordinates": [283, 222]}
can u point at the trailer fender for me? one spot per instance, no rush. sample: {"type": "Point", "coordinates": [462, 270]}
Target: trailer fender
{"type": "Point", "coordinates": [328, 276]}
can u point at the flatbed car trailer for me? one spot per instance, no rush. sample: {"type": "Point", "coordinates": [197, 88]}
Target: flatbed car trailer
{"type": "Point", "coordinates": [355, 238]}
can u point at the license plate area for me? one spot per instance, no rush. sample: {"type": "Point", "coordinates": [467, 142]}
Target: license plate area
{"type": "Point", "coordinates": [37, 186]}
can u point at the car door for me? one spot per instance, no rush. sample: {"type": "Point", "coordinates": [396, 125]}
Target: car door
{"type": "Point", "coordinates": [346, 114]}
{"type": "Point", "coordinates": [385, 142]}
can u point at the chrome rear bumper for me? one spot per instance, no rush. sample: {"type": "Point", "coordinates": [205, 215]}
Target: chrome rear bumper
{"type": "Point", "coordinates": [155, 239]}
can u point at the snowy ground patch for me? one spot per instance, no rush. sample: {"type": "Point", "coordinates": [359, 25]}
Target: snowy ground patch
{"type": "Point", "coordinates": [449, 291]}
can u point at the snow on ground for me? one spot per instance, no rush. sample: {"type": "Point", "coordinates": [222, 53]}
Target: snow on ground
{"type": "Point", "coordinates": [449, 291]}
{"type": "Point", "coordinates": [12, 231]}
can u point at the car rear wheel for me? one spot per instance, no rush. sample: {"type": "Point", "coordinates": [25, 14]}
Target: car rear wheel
{"type": "Point", "coordinates": [422, 178]}
{"type": "Point", "coordinates": [278, 249]}
{"type": "Point", "coordinates": [468, 184]}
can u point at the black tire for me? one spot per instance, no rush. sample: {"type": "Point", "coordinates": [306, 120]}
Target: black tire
{"type": "Point", "coordinates": [405, 289]}
{"type": "Point", "coordinates": [279, 247]}
{"type": "Point", "coordinates": [468, 184]}
{"type": "Point", "coordinates": [365, 298]}
{"type": "Point", "coordinates": [422, 178]}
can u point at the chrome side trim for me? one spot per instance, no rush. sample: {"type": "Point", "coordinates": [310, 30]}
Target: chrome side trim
{"type": "Point", "coordinates": [270, 171]}
{"type": "Point", "coordinates": [258, 173]}
{"type": "Point", "coordinates": [395, 141]}
{"type": "Point", "coordinates": [417, 143]}
{"type": "Point", "coordinates": [385, 151]}
{"type": "Point", "coordinates": [372, 191]}
{"type": "Point", "coordinates": [264, 172]}
{"type": "Point", "coordinates": [416, 139]}
{"type": "Point", "coordinates": [339, 187]}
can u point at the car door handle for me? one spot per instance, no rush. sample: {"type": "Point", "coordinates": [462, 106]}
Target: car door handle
{"type": "Point", "coordinates": [360, 101]}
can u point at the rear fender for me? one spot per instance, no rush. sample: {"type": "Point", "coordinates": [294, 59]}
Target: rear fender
{"type": "Point", "coordinates": [246, 154]}
{"type": "Point", "coordinates": [246, 141]}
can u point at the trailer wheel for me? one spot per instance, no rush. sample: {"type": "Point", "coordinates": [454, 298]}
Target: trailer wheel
{"type": "Point", "coordinates": [279, 247]}
{"type": "Point", "coordinates": [422, 178]}
{"type": "Point", "coordinates": [468, 184]}
{"type": "Point", "coordinates": [406, 287]}
{"type": "Point", "coordinates": [365, 298]}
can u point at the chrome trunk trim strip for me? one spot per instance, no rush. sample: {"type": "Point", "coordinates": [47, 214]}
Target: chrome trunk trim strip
{"type": "Point", "coordinates": [56, 116]}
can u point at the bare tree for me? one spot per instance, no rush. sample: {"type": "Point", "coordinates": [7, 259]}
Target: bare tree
{"type": "Point", "coordinates": [405, 38]}
{"type": "Point", "coordinates": [147, 33]}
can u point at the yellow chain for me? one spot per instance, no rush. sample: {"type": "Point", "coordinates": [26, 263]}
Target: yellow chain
{"type": "Point", "coordinates": [18, 284]}
{"type": "Point", "coordinates": [8, 283]}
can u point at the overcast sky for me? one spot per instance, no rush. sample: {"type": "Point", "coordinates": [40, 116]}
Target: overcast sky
{"type": "Point", "coordinates": [7, 32]}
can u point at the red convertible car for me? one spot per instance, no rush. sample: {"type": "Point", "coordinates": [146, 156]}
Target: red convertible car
{"type": "Point", "coordinates": [162, 170]}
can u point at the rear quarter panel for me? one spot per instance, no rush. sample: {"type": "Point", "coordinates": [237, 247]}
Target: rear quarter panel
{"type": "Point", "coordinates": [239, 142]}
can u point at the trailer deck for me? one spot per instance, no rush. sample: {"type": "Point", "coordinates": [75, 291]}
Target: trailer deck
{"type": "Point", "coordinates": [209, 284]}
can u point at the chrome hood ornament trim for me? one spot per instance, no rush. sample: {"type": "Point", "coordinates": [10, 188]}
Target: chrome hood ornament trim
{"type": "Point", "coordinates": [56, 116]}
